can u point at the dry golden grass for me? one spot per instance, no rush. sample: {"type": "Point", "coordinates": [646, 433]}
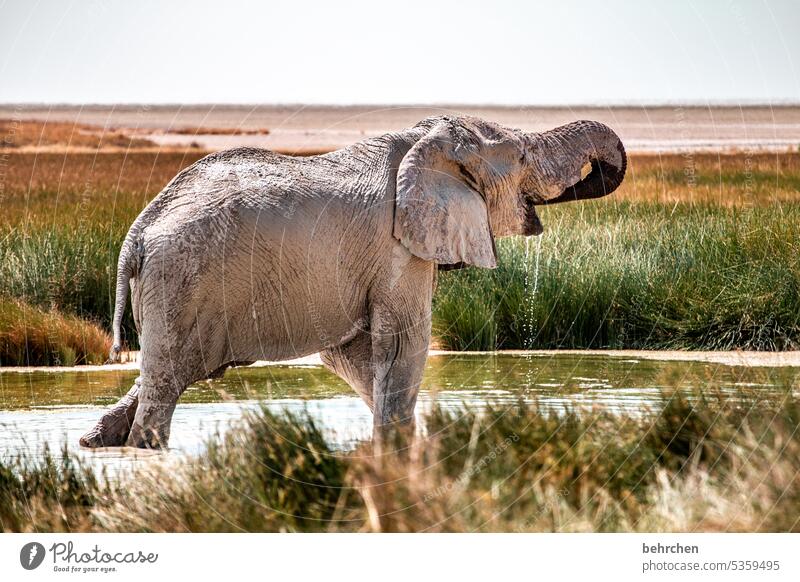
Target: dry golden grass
{"type": "Point", "coordinates": [63, 188]}
{"type": "Point", "coordinates": [56, 186]}
{"type": "Point", "coordinates": [34, 133]}
{"type": "Point", "coordinates": [734, 179]}
{"type": "Point", "coordinates": [29, 335]}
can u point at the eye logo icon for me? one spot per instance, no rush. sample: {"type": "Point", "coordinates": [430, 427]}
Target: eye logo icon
{"type": "Point", "coordinates": [31, 555]}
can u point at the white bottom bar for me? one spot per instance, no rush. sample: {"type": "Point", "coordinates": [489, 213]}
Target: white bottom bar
{"type": "Point", "coordinates": [388, 557]}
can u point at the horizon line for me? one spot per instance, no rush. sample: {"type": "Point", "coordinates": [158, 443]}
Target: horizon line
{"type": "Point", "coordinates": [244, 104]}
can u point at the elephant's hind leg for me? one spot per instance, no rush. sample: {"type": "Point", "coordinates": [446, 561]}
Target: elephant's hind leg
{"type": "Point", "coordinates": [352, 362]}
{"type": "Point", "coordinates": [113, 428]}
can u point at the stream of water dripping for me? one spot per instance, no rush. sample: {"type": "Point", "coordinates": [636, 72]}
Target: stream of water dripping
{"type": "Point", "coordinates": [529, 323]}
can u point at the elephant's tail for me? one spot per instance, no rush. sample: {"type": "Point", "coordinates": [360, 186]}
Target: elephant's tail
{"type": "Point", "coordinates": [126, 270]}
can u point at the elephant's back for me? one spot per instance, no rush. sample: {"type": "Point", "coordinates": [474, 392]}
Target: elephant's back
{"type": "Point", "coordinates": [218, 196]}
{"type": "Point", "coordinates": [230, 177]}
{"type": "Point", "coordinates": [264, 248]}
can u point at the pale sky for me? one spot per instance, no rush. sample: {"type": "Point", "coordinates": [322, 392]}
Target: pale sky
{"type": "Point", "coordinates": [410, 51]}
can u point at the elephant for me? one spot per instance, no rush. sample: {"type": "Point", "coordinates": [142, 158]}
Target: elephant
{"type": "Point", "coordinates": [252, 255]}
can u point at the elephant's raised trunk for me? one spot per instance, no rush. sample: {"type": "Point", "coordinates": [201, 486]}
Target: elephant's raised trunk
{"type": "Point", "coordinates": [570, 148]}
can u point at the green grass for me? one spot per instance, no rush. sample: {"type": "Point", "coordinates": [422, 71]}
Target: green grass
{"type": "Point", "coordinates": [722, 462]}
{"type": "Point", "coordinates": [635, 275]}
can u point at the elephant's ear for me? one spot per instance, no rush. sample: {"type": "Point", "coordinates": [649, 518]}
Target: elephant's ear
{"type": "Point", "coordinates": [439, 214]}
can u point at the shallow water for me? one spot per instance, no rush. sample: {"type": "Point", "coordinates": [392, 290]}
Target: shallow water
{"type": "Point", "coordinates": [55, 408]}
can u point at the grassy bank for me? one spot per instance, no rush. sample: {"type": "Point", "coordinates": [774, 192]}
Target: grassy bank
{"type": "Point", "coordinates": [694, 251]}
{"type": "Point", "coordinates": [635, 275]}
{"type": "Point", "coordinates": [721, 463]}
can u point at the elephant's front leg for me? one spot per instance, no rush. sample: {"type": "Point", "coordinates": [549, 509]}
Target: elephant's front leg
{"type": "Point", "coordinates": [399, 355]}
{"type": "Point", "coordinates": [113, 427]}
{"type": "Point", "coordinates": [401, 334]}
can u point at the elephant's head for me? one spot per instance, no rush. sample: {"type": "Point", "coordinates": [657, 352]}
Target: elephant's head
{"type": "Point", "coordinates": [466, 181]}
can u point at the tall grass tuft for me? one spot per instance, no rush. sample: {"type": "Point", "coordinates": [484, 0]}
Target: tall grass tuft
{"type": "Point", "coordinates": [32, 336]}
{"type": "Point", "coordinates": [64, 269]}
{"type": "Point", "coordinates": [273, 473]}
{"type": "Point", "coordinates": [54, 494]}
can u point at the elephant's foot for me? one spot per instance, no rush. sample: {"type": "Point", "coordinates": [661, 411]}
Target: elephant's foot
{"type": "Point", "coordinates": [113, 428]}
{"type": "Point", "coordinates": [104, 436]}
{"type": "Point", "coordinates": [147, 438]}
{"type": "Point", "coordinates": [151, 426]}
{"type": "Point", "coordinates": [400, 428]}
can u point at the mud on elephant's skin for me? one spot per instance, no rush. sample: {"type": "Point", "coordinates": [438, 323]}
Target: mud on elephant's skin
{"type": "Point", "coordinates": [251, 255]}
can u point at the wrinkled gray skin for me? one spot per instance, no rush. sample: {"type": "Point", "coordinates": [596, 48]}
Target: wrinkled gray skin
{"type": "Point", "coordinates": [251, 255]}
